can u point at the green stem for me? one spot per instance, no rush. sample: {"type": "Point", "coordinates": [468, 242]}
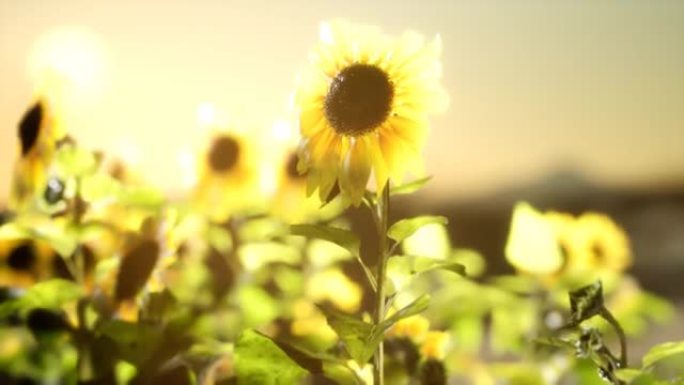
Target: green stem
{"type": "Point", "coordinates": [381, 213]}
{"type": "Point", "coordinates": [606, 314]}
{"type": "Point", "coordinates": [84, 358]}
{"type": "Point", "coordinates": [83, 363]}
{"type": "Point", "coordinates": [78, 210]}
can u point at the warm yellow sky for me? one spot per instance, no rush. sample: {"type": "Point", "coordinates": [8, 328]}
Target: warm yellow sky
{"type": "Point", "coordinates": [593, 85]}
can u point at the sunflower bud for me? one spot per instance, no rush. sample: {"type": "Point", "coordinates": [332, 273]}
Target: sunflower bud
{"type": "Point", "coordinates": [29, 127]}
{"type": "Point", "coordinates": [136, 268]}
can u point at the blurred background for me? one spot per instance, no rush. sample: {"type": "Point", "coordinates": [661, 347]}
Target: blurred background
{"type": "Point", "coordinates": [571, 105]}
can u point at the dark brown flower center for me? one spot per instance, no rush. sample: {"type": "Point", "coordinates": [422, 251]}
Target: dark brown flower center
{"type": "Point", "coordinates": [224, 154]}
{"type": "Point", "coordinates": [599, 252]}
{"type": "Point", "coordinates": [359, 99]}
{"type": "Point", "coordinates": [29, 127]}
{"type": "Point", "coordinates": [22, 258]}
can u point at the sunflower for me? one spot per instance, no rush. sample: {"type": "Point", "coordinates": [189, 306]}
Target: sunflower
{"type": "Point", "coordinates": [39, 132]}
{"type": "Point", "coordinates": [553, 244]}
{"type": "Point", "coordinates": [599, 243]}
{"type": "Point", "coordinates": [363, 106]}
{"type": "Point", "coordinates": [24, 261]}
{"type": "Point", "coordinates": [228, 180]}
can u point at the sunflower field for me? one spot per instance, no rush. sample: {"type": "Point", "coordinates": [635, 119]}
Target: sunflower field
{"type": "Point", "coordinates": [259, 276]}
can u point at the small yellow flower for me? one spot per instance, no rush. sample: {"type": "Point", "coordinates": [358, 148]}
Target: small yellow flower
{"type": "Point", "coordinates": [553, 243]}
{"type": "Point", "coordinates": [599, 242]}
{"type": "Point", "coordinates": [363, 108]}
{"type": "Point", "coordinates": [435, 345]}
{"type": "Point", "coordinates": [414, 328]}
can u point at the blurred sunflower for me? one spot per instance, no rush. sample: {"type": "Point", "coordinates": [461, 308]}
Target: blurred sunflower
{"type": "Point", "coordinates": [363, 107]}
{"type": "Point", "coordinates": [39, 132]}
{"type": "Point", "coordinates": [554, 244]}
{"type": "Point", "coordinates": [415, 328]}
{"type": "Point", "coordinates": [435, 345]}
{"type": "Point", "coordinates": [32, 248]}
{"type": "Point", "coordinates": [290, 202]}
{"type": "Point", "coordinates": [227, 177]}
{"type": "Point", "coordinates": [597, 242]}
{"type": "Point", "coordinates": [23, 261]}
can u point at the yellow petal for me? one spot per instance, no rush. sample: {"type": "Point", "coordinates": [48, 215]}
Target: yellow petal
{"type": "Point", "coordinates": [532, 245]}
{"type": "Point", "coordinates": [311, 120]}
{"type": "Point", "coordinates": [412, 130]}
{"type": "Point", "coordinates": [380, 172]}
{"type": "Point", "coordinates": [356, 170]}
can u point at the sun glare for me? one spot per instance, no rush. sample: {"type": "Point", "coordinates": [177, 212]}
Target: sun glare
{"type": "Point", "coordinates": [68, 63]}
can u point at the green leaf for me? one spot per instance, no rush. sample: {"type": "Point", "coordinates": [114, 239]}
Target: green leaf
{"type": "Point", "coordinates": [401, 269]}
{"type": "Point", "coordinates": [628, 374]}
{"type": "Point", "coordinates": [72, 161]}
{"type": "Point", "coordinates": [586, 302]}
{"type": "Point", "coordinates": [304, 359]}
{"type": "Point", "coordinates": [358, 336]}
{"type": "Point", "coordinates": [256, 255]}
{"type": "Point", "coordinates": [323, 253]}
{"type": "Point", "coordinates": [140, 196]}
{"type": "Point", "coordinates": [134, 341]}
{"type": "Point", "coordinates": [259, 361]}
{"type": "Point", "coordinates": [58, 237]}
{"type": "Point", "coordinates": [63, 241]}
{"type": "Point", "coordinates": [519, 284]}
{"type": "Point", "coordinates": [51, 294]}
{"type": "Point", "coordinates": [124, 372]}
{"type": "Point", "coordinates": [318, 363]}
{"type": "Point", "coordinates": [404, 228]}
{"type": "Point", "coordinates": [12, 231]}
{"type": "Point", "coordinates": [473, 262]}
{"type": "Point", "coordinates": [468, 332]}
{"type": "Point", "coordinates": [261, 229]}
{"type": "Point", "coordinates": [431, 240]}
{"type": "Point", "coordinates": [410, 187]}
{"type": "Point", "coordinates": [662, 351]}
{"type": "Point", "coordinates": [518, 373]}
{"type": "Point", "coordinates": [417, 306]}
{"type": "Point", "coordinates": [341, 237]}
{"type": "Point", "coordinates": [554, 343]}
{"type": "Point", "coordinates": [157, 306]}
{"type": "Point", "coordinates": [258, 307]}
{"type": "Point", "coordinates": [340, 373]}
{"type": "Point", "coordinates": [99, 187]}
